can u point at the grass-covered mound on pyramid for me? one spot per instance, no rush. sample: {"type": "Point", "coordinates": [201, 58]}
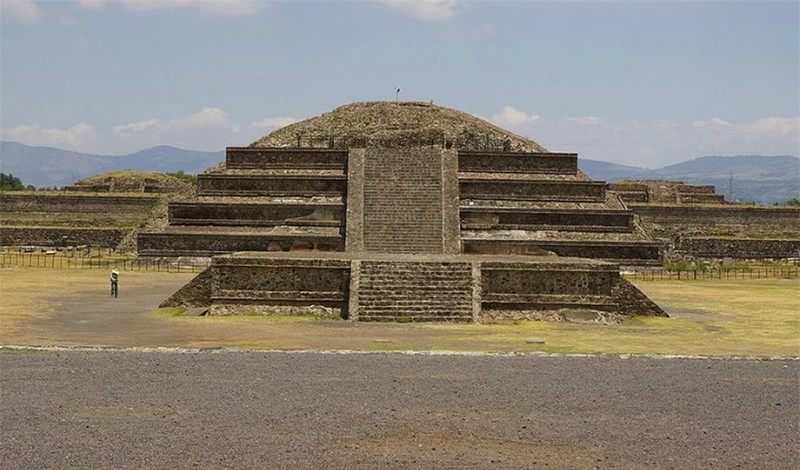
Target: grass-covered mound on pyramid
{"type": "Point", "coordinates": [396, 125]}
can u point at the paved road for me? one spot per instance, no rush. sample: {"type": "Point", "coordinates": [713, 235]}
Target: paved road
{"type": "Point", "coordinates": [128, 409]}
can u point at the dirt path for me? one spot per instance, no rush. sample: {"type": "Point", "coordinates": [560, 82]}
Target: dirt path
{"type": "Point", "coordinates": [87, 315]}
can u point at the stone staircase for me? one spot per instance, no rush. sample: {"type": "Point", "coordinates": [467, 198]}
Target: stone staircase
{"type": "Point", "coordinates": [417, 291]}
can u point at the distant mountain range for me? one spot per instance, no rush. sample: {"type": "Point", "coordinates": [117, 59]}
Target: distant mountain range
{"type": "Point", "coordinates": [744, 178]}
{"type": "Point", "coordinates": [765, 180]}
{"type": "Point", "coordinates": [49, 167]}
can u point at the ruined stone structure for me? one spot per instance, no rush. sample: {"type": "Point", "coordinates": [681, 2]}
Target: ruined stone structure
{"type": "Point", "coordinates": [105, 210]}
{"type": "Point", "coordinates": [666, 192]}
{"type": "Point", "coordinates": [697, 222]}
{"type": "Point", "coordinates": [54, 219]}
{"type": "Point", "coordinates": [405, 210]}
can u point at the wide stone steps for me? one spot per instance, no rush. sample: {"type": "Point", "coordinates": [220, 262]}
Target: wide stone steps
{"type": "Point", "coordinates": [271, 185]}
{"type": "Point", "coordinates": [209, 241]}
{"type": "Point", "coordinates": [569, 220]}
{"type": "Point", "coordinates": [416, 291]}
{"type": "Point", "coordinates": [264, 214]}
{"type": "Point", "coordinates": [285, 158]}
{"type": "Point", "coordinates": [514, 189]}
{"type": "Point", "coordinates": [628, 253]}
{"type": "Point", "coordinates": [518, 162]}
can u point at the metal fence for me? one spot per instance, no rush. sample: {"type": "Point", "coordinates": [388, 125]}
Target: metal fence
{"type": "Point", "coordinates": [42, 260]}
{"type": "Point", "coordinates": [746, 272]}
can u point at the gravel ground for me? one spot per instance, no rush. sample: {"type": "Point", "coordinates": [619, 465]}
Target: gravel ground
{"type": "Point", "coordinates": [135, 409]}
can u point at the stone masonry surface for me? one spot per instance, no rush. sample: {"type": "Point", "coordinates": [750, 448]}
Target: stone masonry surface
{"type": "Point", "coordinates": [403, 201]}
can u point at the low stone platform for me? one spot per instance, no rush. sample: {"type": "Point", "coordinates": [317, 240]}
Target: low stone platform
{"type": "Point", "coordinates": [456, 288]}
{"type": "Point", "coordinates": [246, 158]}
{"type": "Point", "coordinates": [308, 185]}
{"type": "Point", "coordinates": [62, 236]}
{"type": "Point", "coordinates": [264, 214]}
{"type": "Point", "coordinates": [622, 252]}
{"type": "Point", "coordinates": [214, 240]}
{"type": "Point", "coordinates": [568, 220]}
{"type": "Point", "coordinates": [518, 162]}
{"type": "Point", "coordinates": [530, 189]}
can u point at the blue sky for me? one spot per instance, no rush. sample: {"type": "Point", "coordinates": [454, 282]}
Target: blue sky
{"type": "Point", "coordinates": [643, 83]}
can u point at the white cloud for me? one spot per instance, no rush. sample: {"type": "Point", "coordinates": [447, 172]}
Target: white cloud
{"type": "Point", "coordinates": [713, 123]}
{"type": "Point", "coordinates": [209, 128]}
{"type": "Point", "coordinates": [76, 137]}
{"type": "Point", "coordinates": [512, 117]}
{"type": "Point", "coordinates": [775, 126]}
{"type": "Point", "coordinates": [139, 127]}
{"type": "Point", "coordinates": [437, 10]}
{"type": "Point", "coordinates": [585, 121]}
{"type": "Point", "coordinates": [212, 7]}
{"type": "Point", "coordinates": [24, 11]}
{"type": "Point", "coordinates": [272, 123]}
{"type": "Point", "coordinates": [92, 4]}
{"type": "Point", "coordinates": [207, 118]}
{"type": "Point", "coordinates": [68, 20]}
{"type": "Point", "coordinates": [658, 142]}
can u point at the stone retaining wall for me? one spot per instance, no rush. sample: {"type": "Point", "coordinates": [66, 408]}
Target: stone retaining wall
{"type": "Point", "coordinates": [55, 236]}
{"type": "Point", "coordinates": [10, 202]}
{"type": "Point", "coordinates": [214, 243]}
{"type": "Point", "coordinates": [527, 190]}
{"type": "Point", "coordinates": [283, 286]}
{"type": "Point", "coordinates": [515, 162]}
{"type": "Point", "coordinates": [295, 158]}
{"type": "Point", "coordinates": [759, 218]}
{"type": "Point", "coordinates": [295, 214]}
{"type": "Point", "coordinates": [748, 248]}
{"type": "Point", "coordinates": [271, 185]}
{"type": "Point", "coordinates": [486, 218]}
{"type": "Point", "coordinates": [625, 253]}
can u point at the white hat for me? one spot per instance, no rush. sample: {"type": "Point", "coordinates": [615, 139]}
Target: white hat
{"type": "Point", "coordinates": [114, 271]}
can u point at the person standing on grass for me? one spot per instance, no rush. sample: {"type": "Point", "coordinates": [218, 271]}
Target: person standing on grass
{"type": "Point", "coordinates": [114, 283]}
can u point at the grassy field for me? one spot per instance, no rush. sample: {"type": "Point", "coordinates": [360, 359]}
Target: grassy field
{"type": "Point", "coordinates": [754, 318]}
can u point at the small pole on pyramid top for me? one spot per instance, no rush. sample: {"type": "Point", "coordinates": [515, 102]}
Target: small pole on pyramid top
{"type": "Point", "coordinates": [397, 95]}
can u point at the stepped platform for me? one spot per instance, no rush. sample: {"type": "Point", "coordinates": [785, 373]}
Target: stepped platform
{"type": "Point", "coordinates": [524, 218]}
{"type": "Point", "coordinates": [372, 287]}
{"type": "Point", "coordinates": [204, 241]}
{"type": "Point", "coordinates": [632, 196]}
{"type": "Point", "coordinates": [293, 184]}
{"type": "Point", "coordinates": [57, 219]}
{"type": "Point", "coordinates": [300, 214]}
{"type": "Point", "coordinates": [518, 162]}
{"type": "Point", "coordinates": [419, 218]}
{"type": "Point", "coordinates": [530, 189]}
{"type": "Point", "coordinates": [627, 252]}
{"type": "Point", "coordinates": [249, 158]}
{"type": "Point", "coordinates": [700, 198]}
{"type": "Point", "coordinates": [58, 202]}
{"type": "Point", "coordinates": [104, 237]}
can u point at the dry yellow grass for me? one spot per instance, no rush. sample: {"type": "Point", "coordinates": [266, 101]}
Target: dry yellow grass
{"type": "Point", "coordinates": [755, 318]}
